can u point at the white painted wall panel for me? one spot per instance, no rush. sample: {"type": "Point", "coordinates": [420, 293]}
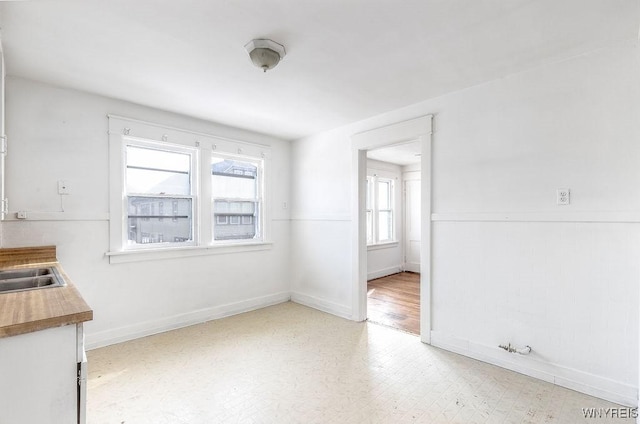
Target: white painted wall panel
{"type": "Point", "coordinates": [508, 145]}
{"type": "Point", "coordinates": [62, 134]}
{"type": "Point", "coordinates": [320, 187]}
{"type": "Point", "coordinates": [323, 265]}
{"type": "Point", "coordinates": [566, 289]}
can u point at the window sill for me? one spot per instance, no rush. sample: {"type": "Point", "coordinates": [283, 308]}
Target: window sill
{"type": "Point", "coordinates": [385, 245]}
{"type": "Point", "coordinates": [183, 252]}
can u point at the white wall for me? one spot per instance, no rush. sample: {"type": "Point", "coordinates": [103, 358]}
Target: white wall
{"type": "Point", "coordinates": [386, 259]}
{"type": "Point", "coordinates": [58, 134]}
{"type": "Point", "coordinates": [563, 279]}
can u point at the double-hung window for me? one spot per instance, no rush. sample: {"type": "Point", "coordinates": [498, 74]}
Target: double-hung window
{"type": "Point", "coordinates": [177, 193]}
{"type": "Point", "coordinates": [160, 194]}
{"type": "Point", "coordinates": [380, 210]}
{"type": "Point", "coordinates": [236, 187]}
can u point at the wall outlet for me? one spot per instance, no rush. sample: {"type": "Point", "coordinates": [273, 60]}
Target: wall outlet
{"type": "Point", "coordinates": [63, 187]}
{"type": "Point", "coordinates": [563, 196]}
{"type": "Point", "coordinates": [21, 214]}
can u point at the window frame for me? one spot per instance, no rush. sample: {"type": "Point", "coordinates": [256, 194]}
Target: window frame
{"type": "Point", "coordinates": [372, 196]}
{"type": "Point", "coordinates": [258, 217]}
{"type": "Point", "coordinates": [391, 210]}
{"type": "Point", "coordinates": [121, 130]}
{"type": "Point", "coordinates": [194, 193]}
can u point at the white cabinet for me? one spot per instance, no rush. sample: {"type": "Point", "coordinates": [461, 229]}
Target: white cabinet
{"type": "Point", "coordinates": [39, 376]}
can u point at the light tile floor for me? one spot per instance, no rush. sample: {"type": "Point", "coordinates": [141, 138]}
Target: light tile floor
{"type": "Point", "coordinates": [291, 364]}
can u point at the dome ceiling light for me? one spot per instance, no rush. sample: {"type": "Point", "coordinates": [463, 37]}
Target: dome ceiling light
{"type": "Point", "coordinates": [265, 53]}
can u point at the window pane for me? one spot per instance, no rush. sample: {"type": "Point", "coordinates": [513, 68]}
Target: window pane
{"type": "Point", "coordinates": [159, 220]}
{"type": "Point", "coordinates": [233, 179]}
{"type": "Point", "coordinates": [238, 218]}
{"type": "Point", "coordinates": [151, 171]}
{"type": "Point", "coordinates": [157, 182]}
{"type": "Point", "coordinates": [384, 195]}
{"type": "Point", "coordinates": [229, 187]}
{"type": "Point", "coordinates": [236, 192]}
{"type": "Point", "coordinates": [384, 225]}
{"type": "Point", "coordinates": [369, 187]}
{"type": "Point", "coordinates": [141, 157]}
{"type": "Point", "coordinates": [225, 207]}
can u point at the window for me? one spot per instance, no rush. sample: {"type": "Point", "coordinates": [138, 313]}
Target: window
{"type": "Point", "coordinates": [236, 188]}
{"type": "Point", "coordinates": [177, 193]}
{"type": "Point", "coordinates": [380, 211]}
{"type": "Point", "coordinates": [158, 175]}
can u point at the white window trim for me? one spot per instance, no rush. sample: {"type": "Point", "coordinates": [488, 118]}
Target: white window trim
{"type": "Point", "coordinates": [126, 256]}
{"type": "Point", "coordinates": [383, 245]}
{"type": "Point", "coordinates": [373, 179]}
{"type": "Point", "coordinates": [120, 129]}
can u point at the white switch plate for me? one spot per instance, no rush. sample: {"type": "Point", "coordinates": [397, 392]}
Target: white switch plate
{"type": "Point", "coordinates": [63, 187]}
{"type": "Point", "coordinates": [563, 196]}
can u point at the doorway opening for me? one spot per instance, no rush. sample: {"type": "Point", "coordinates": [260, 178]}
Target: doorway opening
{"type": "Point", "coordinates": [418, 130]}
{"type": "Point", "coordinates": [393, 236]}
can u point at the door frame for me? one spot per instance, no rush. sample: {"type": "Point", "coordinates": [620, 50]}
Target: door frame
{"type": "Point", "coordinates": [417, 129]}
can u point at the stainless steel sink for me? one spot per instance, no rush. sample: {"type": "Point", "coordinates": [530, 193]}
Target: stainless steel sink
{"type": "Point", "coordinates": [24, 272]}
{"type": "Point", "coordinates": [29, 279]}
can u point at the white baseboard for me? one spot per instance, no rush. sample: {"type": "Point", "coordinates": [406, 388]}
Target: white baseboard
{"type": "Point", "coordinates": [384, 272]}
{"type": "Point", "coordinates": [579, 381]}
{"type": "Point", "coordinates": [322, 305]}
{"type": "Point", "coordinates": [412, 267]}
{"type": "Point", "coordinates": [147, 328]}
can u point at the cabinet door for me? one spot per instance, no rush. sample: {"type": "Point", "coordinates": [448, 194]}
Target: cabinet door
{"type": "Point", "coordinates": [38, 382]}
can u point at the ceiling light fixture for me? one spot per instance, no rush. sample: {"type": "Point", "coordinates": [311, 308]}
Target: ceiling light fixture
{"type": "Point", "coordinates": [265, 53]}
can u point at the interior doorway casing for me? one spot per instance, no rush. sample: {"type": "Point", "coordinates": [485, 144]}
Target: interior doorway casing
{"type": "Point", "coordinates": [417, 129]}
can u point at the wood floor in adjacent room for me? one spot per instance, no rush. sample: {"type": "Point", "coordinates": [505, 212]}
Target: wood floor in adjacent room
{"type": "Point", "coordinates": [289, 364]}
{"type": "Point", "coordinates": [394, 301]}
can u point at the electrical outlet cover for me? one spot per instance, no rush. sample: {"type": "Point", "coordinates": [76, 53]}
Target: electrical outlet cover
{"type": "Point", "coordinates": [563, 196]}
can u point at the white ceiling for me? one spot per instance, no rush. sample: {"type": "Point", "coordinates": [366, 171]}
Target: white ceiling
{"type": "Point", "coordinates": [346, 59]}
{"type": "Point", "coordinates": [400, 154]}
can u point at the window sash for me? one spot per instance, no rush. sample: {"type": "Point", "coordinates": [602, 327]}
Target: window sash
{"type": "Point", "coordinates": [380, 216]}
{"type": "Point", "coordinates": [385, 226]}
{"type": "Point", "coordinates": [166, 227]}
{"type": "Point", "coordinates": [245, 230]}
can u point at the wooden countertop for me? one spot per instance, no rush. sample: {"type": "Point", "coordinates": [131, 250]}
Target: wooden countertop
{"type": "Point", "coordinates": [33, 310]}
